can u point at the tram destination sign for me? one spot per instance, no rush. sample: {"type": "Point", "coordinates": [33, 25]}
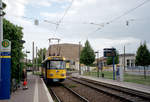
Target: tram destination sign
{"type": "Point", "coordinates": [109, 52]}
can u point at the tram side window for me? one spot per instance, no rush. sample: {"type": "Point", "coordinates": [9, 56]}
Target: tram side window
{"type": "Point", "coordinates": [48, 66]}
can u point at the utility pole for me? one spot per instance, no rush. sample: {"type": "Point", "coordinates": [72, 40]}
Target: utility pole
{"type": "Point", "coordinates": [79, 59]}
{"type": "Point", "coordinates": [1, 32]}
{"type": "Point", "coordinates": [36, 59]}
{"type": "Point", "coordinates": [33, 57]}
{"type": "Point", "coordinates": [98, 62]}
{"type": "Point", "coordinates": [124, 61]}
{"type": "Point", "coordinates": [1, 21]}
{"type": "Point", "coordinates": [42, 54]}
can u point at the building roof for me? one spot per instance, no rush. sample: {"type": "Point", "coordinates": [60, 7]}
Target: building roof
{"type": "Point", "coordinates": [127, 54]}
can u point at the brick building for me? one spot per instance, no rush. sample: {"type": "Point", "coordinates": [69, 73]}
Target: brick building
{"type": "Point", "coordinates": [69, 51]}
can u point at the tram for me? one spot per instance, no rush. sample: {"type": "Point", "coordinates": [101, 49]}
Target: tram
{"type": "Point", "coordinates": [53, 69]}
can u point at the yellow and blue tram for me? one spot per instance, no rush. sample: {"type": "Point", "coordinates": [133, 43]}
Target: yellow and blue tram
{"type": "Point", "coordinates": [53, 69]}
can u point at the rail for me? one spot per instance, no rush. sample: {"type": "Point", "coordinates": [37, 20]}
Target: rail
{"type": "Point", "coordinates": [111, 91]}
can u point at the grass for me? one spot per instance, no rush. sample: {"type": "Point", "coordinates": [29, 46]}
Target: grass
{"type": "Point", "coordinates": [139, 79]}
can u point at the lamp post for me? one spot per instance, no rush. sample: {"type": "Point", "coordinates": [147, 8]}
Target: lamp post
{"type": "Point", "coordinates": [27, 56]}
{"type": "Point", "coordinates": [19, 65]}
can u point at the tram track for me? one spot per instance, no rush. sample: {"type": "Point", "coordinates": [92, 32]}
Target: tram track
{"type": "Point", "coordinates": [122, 94]}
{"type": "Point", "coordinates": [62, 93]}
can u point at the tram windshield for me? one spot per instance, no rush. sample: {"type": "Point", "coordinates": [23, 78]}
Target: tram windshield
{"type": "Point", "coordinates": [56, 65]}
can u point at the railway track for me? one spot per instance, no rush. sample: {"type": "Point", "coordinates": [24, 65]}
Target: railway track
{"type": "Point", "coordinates": [62, 93]}
{"type": "Point", "coordinates": [118, 92]}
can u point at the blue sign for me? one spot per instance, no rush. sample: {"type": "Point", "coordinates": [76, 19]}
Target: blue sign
{"type": "Point", "coordinates": [5, 66]}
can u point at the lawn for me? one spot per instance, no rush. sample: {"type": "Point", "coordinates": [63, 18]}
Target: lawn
{"type": "Point", "coordinates": [139, 79]}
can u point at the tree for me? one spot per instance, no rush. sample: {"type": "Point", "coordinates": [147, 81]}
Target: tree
{"type": "Point", "coordinates": [143, 57]}
{"type": "Point", "coordinates": [39, 56]}
{"type": "Point", "coordinates": [14, 34]}
{"type": "Point", "coordinates": [87, 55]}
{"type": "Point", "coordinates": [110, 59]}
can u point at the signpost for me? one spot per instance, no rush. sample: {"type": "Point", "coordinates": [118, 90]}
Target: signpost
{"type": "Point", "coordinates": [111, 52]}
{"type": "Point", "coordinates": [5, 58]}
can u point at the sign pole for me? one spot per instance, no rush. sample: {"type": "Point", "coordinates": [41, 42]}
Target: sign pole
{"type": "Point", "coordinates": [113, 67]}
{"type": "Point", "coordinates": [5, 69]}
{"type": "Point", "coordinates": [1, 33]}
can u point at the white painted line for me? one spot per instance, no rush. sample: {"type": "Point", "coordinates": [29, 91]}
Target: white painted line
{"type": "Point", "coordinates": [47, 92]}
{"type": "Point", "coordinates": [36, 96]}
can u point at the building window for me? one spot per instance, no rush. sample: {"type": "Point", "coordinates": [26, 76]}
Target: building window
{"type": "Point", "coordinates": [128, 62]}
{"type": "Point", "coordinates": [132, 63]}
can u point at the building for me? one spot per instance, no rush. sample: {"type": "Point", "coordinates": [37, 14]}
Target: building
{"type": "Point", "coordinates": [129, 60]}
{"type": "Point", "coordinates": [67, 50]}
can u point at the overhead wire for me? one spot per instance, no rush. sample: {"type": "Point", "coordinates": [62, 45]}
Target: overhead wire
{"type": "Point", "coordinates": [125, 13]}
{"type": "Point", "coordinates": [66, 11]}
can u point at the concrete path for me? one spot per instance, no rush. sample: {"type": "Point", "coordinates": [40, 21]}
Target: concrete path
{"type": "Point", "coordinates": [134, 86]}
{"type": "Point", "coordinates": [36, 92]}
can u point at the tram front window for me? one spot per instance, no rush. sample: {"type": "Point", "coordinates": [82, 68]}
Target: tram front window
{"type": "Point", "coordinates": [57, 64]}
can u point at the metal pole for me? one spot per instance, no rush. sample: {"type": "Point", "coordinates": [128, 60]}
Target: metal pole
{"type": "Point", "coordinates": [1, 33]}
{"type": "Point", "coordinates": [113, 67]}
{"type": "Point", "coordinates": [98, 62]}
{"type": "Point", "coordinates": [1, 22]}
{"type": "Point", "coordinates": [42, 55]}
{"type": "Point", "coordinates": [79, 60]}
{"type": "Point", "coordinates": [26, 59]}
{"type": "Point", "coordinates": [124, 59]}
{"type": "Point", "coordinates": [33, 57]}
{"type": "Point", "coordinates": [36, 58]}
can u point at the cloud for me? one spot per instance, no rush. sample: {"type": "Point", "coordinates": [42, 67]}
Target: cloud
{"type": "Point", "coordinates": [44, 3]}
{"type": "Point", "coordinates": [76, 25]}
{"type": "Point", "coordinates": [40, 3]}
{"type": "Point", "coordinates": [98, 44]}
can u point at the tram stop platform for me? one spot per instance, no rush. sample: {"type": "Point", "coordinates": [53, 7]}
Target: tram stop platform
{"type": "Point", "coordinates": [133, 86]}
{"type": "Point", "coordinates": [36, 92]}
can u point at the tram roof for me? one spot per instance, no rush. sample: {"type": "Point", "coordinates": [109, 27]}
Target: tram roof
{"type": "Point", "coordinates": [56, 58]}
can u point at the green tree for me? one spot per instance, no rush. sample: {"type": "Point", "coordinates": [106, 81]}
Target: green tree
{"type": "Point", "coordinates": [14, 34]}
{"type": "Point", "coordinates": [110, 59]}
{"type": "Point", "coordinates": [143, 57]}
{"type": "Point", "coordinates": [39, 55]}
{"type": "Point", "coordinates": [87, 55]}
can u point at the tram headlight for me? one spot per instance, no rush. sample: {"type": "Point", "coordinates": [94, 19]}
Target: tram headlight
{"type": "Point", "coordinates": [51, 74]}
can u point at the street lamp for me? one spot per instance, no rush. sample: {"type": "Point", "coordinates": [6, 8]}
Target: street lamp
{"type": "Point", "coordinates": [19, 66]}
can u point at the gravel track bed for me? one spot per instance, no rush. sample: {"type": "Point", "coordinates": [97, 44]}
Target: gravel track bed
{"type": "Point", "coordinates": [89, 93]}
{"type": "Point", "coordinates": [64, 94]}
{"type": "Point", "coordinates": [117, 92]}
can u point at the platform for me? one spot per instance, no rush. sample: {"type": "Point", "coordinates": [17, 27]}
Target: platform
{"type": "Point", "coordinates": [36, 92]}
{"type": "Point", "coordinates": [133, 86]}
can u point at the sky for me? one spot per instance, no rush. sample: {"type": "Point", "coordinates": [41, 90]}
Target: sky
{"type": "Point", "coordinates": [102, 22]}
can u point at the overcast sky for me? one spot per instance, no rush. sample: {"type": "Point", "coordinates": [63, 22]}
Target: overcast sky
{"type": "Point", "coordinates": [80, 21]}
